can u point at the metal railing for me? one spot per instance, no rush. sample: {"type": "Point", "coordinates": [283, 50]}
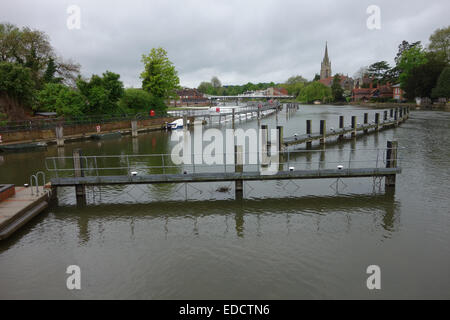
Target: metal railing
{"type": "Point", "coordinates": [148, 164]}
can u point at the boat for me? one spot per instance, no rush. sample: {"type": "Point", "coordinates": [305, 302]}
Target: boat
{"type": "Point", "coordinates": [18, 147]}
{"type": "Point", "coordinates": [317, 102]}
{"type": "Point", "coordinates": [176, 124]}
{"type": "Point", "coordinates": [109, 135]}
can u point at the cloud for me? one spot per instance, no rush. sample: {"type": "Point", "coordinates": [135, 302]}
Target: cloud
{"type": "Point", "coordinates": [238, 41]}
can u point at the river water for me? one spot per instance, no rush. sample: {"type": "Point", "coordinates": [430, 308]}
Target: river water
{"type": "Point", "coordinates": [286, 240]}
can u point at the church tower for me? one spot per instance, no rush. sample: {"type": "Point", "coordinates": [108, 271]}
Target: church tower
{"type": "Point", "coordinates": [325, 70]}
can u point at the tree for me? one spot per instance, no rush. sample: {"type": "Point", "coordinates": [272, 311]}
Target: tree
{"type": "Point", "coordinates": [138, 100]}
{"type": "Point", "coordinates": [404, 46]}
{"type": "Point", "coordinates": [410, 59]}
{"type": "Point", "coordinates": [102, 93]}
{"type": "Point", "coordinates": [336, 89]}
{"type": "Point", "coordinates": [159, 77]}
{"type": "Point", "coordinates": [361, 73]}
{"type": "Point", "coordinates": [440, 42]}
{"type": "Point", "coordinates": [205, 87]}
{"type": "Point", "coordinates": [32, 49]}
{"type": "Point", "coordinates": [442, 89]}
{"type": "Point", "coordinates": [296, 79]}
{"type": "Point", "coordinates": [315, 91]}
{"type": "Point", "coordinates": [215, 82]}
{"type": "Point", "coordinates": [294, 85]}
{"type": "Point", "coordinates": [423, 78]}
{"type": "Point", "coordinates": [56, 97]}
{"type": "Point", "coordinates": [378, 71]}
{"type": "Point", "coordinates": [16, 89]}
{"type": "Point", "coordinates": [316, 77]}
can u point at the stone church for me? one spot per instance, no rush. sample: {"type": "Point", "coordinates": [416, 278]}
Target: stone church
{"type": "Point", "coordinates": [325, 70]}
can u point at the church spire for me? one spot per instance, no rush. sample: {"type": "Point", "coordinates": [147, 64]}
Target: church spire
{"type": "Point", "coordinates": [325, 70]}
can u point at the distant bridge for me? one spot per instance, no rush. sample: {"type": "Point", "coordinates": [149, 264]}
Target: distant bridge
{"type": "Point", "coordinates": [249, 97]}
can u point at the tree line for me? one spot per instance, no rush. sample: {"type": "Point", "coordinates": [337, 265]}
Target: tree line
{"type": "Point", "coordinates": [33, 78]}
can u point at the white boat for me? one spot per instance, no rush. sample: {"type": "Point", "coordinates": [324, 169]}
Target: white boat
{"type": "Point", "coordinates": [177, 124]}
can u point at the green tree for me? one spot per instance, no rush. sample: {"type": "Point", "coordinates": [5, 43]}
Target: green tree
{"type": "Point", "coordinates": [16, 89]}
{"type": "Point", "coordinates": [423, 78]}
{"type": "Point", "coordinates": [378, 71]}
{"type": "Point", "coordinates": [56, 97]}
{"type": "Point", "coordinates": [442, 89]}
{"type": "Point", "coordinates": [440, 42]}
{"type": "Point", "coordinates": [205, 87]}
{"type": "Point", "coordinates": [159, 77]}
{"type": "Point", "coordinates": [215, 82]}
{"type": "Point", "coordinates": [137, 100]}
{"type": "Point", "coordinates": [316, 77]}
{"type": "Point", "coordinates": [410, 59]}
{"type": "Point", "coordinates": [336, 89]}
{"type": "Point", "coordinates": [315, 91]}
{"type": "Point", "coordinates": [102, 93]}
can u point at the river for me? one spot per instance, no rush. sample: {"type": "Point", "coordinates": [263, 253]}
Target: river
{"type": "Point", "coordinates": [286, 240]}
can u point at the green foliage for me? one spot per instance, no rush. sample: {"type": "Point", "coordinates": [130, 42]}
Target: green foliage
{"type": "Point", "coordinates": [49, 75]}
{"type": "Point", "coordinates": [336, 89]}
{"type": "Point", "coordinates": [379, 71]}
{"type": "Point", "coordinates": [102, 93]}
{"type": "Point", "coordinates": [294, 85]}
{"type": "Point", "coordinates": [159, 77]}
{"type": "Point", "coordinates": [410, 59]}
{"type": "Point", "coordinates": [442, 89]}
{"type": "Point", "coordinates": [440, 43]}
{"type": "Point", "coordinates": [205, 87]}
{"type": "Point", "coordinates": [138, 100]}
{"type": "Point", "coordinates": [55, 97]}
{"type": "Point", "coordinates": [315, 91]}
{"type": "Point", "coordinates": [423, 78]}
{"type": "Point", "coordinates": [16, 83]}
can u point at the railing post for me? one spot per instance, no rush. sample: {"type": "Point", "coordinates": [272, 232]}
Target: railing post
{"type": "Point", "coordinates": [308, 132]}
{"type": "Point", "coordinates": [385, 116]}
{"type": "Point", "coordinates": [232, 116]}
{"type": "Point", "coordinates": [134, 128]}
{"type": "Point", "coordinates": [323, 131]}
{"type": "Point", "coordinates": [391, 113]}
{"type": "Point", "coordinates": [396, 116]}
{"type": "Point", "coordinates": [59, 131]}
{"type": "Point", "coordinates": [366, 121]}
{"type": "Point", "coordinates": [341, 126]}
{"type": "Point", "coordinates": [377, 121]}
{"type": "Point", "coordinates": [238, 168]}
{"type": "Point", "coordinates": [354, 126]}
{"type": "Point", "coordinates": [391, 162]}
{"type": "Point", "coordinates": [80, 189]}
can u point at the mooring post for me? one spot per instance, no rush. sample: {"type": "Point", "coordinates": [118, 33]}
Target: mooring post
{"type": "Point", "coordinates": [391, 162]}
{"type": "Point", "coordinates": [391, 115]}
{"type": "Point", "coordinates": [401, 115]}
{"type": "Point", "coordinates": [80, 190]}
{"type": "Point", "coordinates": [59, 131]}
{"type": "Point", "coordinates": [396, 116]}
{"type": "Point", "coordinates": [366, 121]}
{"type": "Point", "coordinates": [184, 121]}
{"type": "Point", "coordinates": [323, 131]}
{"type": "Point", "coordinates": [385, 116]}
{"type": "Point", "coordinates": [264, 145]}
{"type": "Point", "coordinates": [377, 121]}
{"type": "Point", "coordinates": [341, 126]}
{"type": "Point", "coordinates": [353, 126]}
{"type": "Point", "coordinates": [308, 132]}
{"type": "Point", "coordinates": [134, 128]}
{"type": "Point", "coordinates": [238, 168]}
{"type": "Point", "coordinates": [280, 139]}
{"type": "Point", "coordinates": [232, 116]}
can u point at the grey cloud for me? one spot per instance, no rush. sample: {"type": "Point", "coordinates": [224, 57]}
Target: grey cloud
{"type": "Point", "coordinates": [239, 41]}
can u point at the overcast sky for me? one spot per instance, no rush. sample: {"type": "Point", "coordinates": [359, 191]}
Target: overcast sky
{"type": "Point", "coordinates": [238, 41]}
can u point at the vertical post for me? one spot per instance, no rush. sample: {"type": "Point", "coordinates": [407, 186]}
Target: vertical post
{"type": "Point", "coordinates": [401, 115]}
{"type": "Point", "coordinates": [308, 132]}
{"type": "Point", "coordinates": [353, 126]}
{"type": "Point", "coordinates": [264, 145]}
{"type": "Point", "coordinates": [80, 190]}
{"type": "Point", "coordinates": [323, 131]}
{"type": "Point", "coordinates": [391, 162]}
{"type": "Point", "coordinates": [385, 116]}
{"type": "Point", "coordinates": [59, 131]}
{"type": "Point", "coordinates": [280, 139]}
{"type": "Point", "coordinates": [377, 121]}
{"type": "Point", "coordinates": [232, 116]}
{"type": "Point", "coordinates": [366, 121]}
{"type": "Point", "coordinates": [134, 128]}
{"type": "Point", "coordinates": [396, 116]}
{"type": "Point", "coordinates": [391, 115]}
{"type": "Point", "coordinates": [341, 126]}
{"type": "Point", "coordinates": [184, 121]}
{"type": "Point", "coordinates": [238, 168]}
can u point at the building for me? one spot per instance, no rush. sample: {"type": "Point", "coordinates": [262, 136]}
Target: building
{"type": "Point", "coordinates": [325, 69]}
{"type": "Point", "coordinates": [191, 96]}
{"type": "Point", "coordinates": [365, 94]}
{"type": "Point", "coordinates": [398, 92]}
{"type": "Point", "coordinates": [276, 92]}
{"type": "Point", "coordinates": [346, 82]}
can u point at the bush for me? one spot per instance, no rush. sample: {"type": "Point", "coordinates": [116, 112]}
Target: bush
{"type": "Point", "coordinates": [138, 100]}
{"type": "Point", "coordinates": [61, 99]}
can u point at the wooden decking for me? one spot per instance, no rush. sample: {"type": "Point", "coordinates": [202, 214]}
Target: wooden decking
{"type": "Point", "coordinates": [17, 210]}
